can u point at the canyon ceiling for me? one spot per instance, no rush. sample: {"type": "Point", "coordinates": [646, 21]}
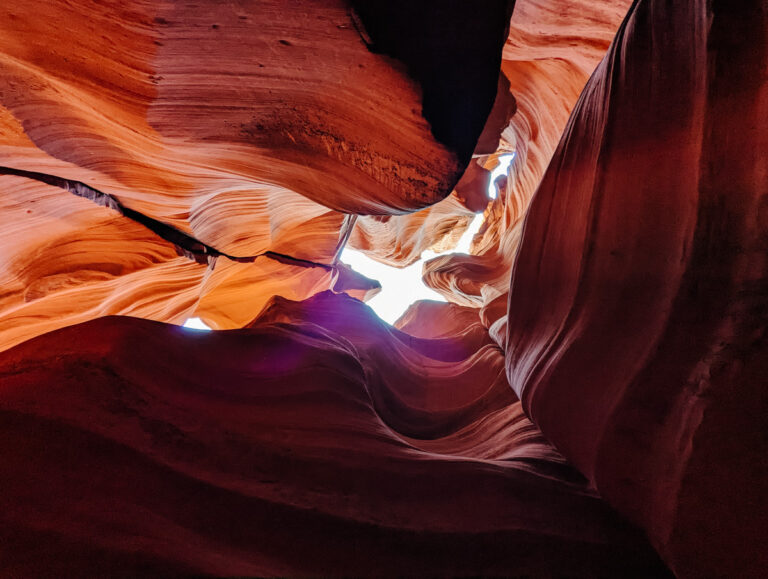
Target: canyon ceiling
{"type": "Point", "coordinates": [591, 399]}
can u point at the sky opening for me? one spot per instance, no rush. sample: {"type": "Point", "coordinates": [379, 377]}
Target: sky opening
{"type": "Point", "coordinates": [196, 324]}
{"type": "Point", "coordinates": [401, 287]}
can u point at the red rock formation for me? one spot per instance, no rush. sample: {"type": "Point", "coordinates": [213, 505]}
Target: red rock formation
{"type": "Point", "coordinates": [249, 127]}
{"type": "Point", "coordinates": [637, 314]}
{"type": "Point", "coordinates": [316, 439]}
{"type": "Point", "coordinates": [128, 122]}
{"type": "Point", "coordinates": [551, 50]}
{"type": "Point", "coordinates": [132, 447]}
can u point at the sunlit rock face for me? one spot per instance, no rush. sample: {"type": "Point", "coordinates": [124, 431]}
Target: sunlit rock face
{"type": "Point", "coordinates": [251, 127]}
{"type": "Point", "coordinates": [637, 314]}
{"type": "Point", "coordinates": [589, 402]}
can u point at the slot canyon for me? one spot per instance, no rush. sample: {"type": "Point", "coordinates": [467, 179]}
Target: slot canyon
{"type": "Point", "coordinates": [587, 398]}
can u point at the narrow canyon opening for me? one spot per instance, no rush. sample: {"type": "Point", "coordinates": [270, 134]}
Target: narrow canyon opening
{"type": "Point", "coordinates": [424, 288]}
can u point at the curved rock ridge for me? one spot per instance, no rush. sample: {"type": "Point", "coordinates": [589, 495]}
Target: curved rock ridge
{"type": "Point", "coordinates": [551, 50]}
{"type": "Point", "coordinates": [90, 261]}
{"type": "Point", "coordinates": [159, 109]}
{"type": "Point", "coordinates": [432, 386]}
{"type": "Point", "coordinates": [432, 319]}
{"type": "Point", "coordinates": [134, 447]}
{"type": "Point", "coordinates": [639, 301]}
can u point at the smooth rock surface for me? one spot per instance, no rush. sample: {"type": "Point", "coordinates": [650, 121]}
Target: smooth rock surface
{"type": "Point", "coordinates": [289, 448]}
{"type": "Point", "coordinates": [639, 301]}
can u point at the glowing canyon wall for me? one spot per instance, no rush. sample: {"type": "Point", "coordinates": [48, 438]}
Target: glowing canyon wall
{"type": "Point", "coordinates": [252, 128]}
{"type": "Point", "coordinates": [591, 400]}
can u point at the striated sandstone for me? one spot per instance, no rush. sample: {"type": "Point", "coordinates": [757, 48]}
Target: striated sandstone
{"type": "Point", "coordinates": [589, 403]}
{"type": "Point", "coordinates": [289, 448]}
{"type": "Point", "coordinates": [638, 308]}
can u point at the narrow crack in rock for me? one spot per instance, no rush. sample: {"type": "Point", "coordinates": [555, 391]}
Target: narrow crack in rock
{"type": "Point", "coordinates": [185, 244]}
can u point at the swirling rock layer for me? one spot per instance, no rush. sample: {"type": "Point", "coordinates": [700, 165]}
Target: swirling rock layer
{"type": "Point", "coordinates": [250, 126]}
{"type": "Point", "coordinates": [130, 447]}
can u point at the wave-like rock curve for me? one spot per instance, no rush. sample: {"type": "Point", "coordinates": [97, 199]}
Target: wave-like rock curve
{"type": "Point", "coordinates": [131, 446]}
{"type": "Point", "coordinates": [638, 309]}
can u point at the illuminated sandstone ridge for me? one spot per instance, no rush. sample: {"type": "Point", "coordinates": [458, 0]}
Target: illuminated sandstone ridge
{"type": "Point", "coordinates": [318, 440]}
{"type": "Point", "coordinates": [65, 111]}
{"type": "Point", "coordinates": [252, 128]}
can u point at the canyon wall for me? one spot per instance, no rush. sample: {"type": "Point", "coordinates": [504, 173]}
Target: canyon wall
{"type": "Point", "coordinates": [639, 300]}
{"type": "Point", "coordinates": [254, 128]}
{"type": "Point", "coordinates": [550, 53]}
{"type": "Point", "coordinates": [317, 442]}
{"type": "Point", "coordinates": [589, 403]}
